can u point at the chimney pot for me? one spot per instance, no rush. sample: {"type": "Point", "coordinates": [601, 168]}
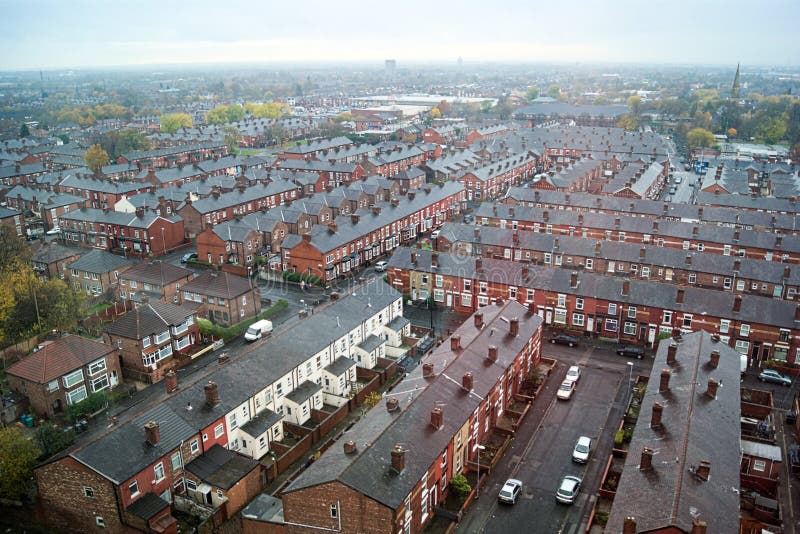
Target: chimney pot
{"type": "Point", "coordinates": [392, 404]}
{"type": "Point", "coordinates": [398, 458]}
{"type": "Point", "coordinates": [655, 419]}
{"type": "Point", "coordinates": [714, 359]}
{"type": "Point", "coordinates": [525, 273]}
{"type": "Point", "coordinates": [629, 526]}
{"type": "Point", "coordinates": [513, 327]}
{"type": "Point", "coordinates": [672, 353]}
{"type": "Point", "coordinates": [436, 418]}
{"type": "Point", "coordinates": [212, 393]}
{"type": "Point", "coordinates": [646, 461]}
{"type": "Point", "coordinates": [664, 385]}
{"type": "Point", "coordinates": [413, 258]}
{"type": "Point", "coordinates": [435, 259]}
{"type": "Point", "coordinates": [679, 296]}
{"type": "Point", "coordinates": [642, 253]}
{"type": "Point", "coordinates": [478, 265]}
{"type": "Point", "coordinates": [455, 342]}
{"type": "Point", "coordinates": [737, 263]}
{"type": "Point", "coordinates": [467, 381]}
{"type": "Point", "coordinates": [492, 353]}
{"type": "Point", "coordinates": [797, 313]}
{"type": "Point", "coordinates": [427, 370]}
{"type": "Point", "coordinates": [698, 526]}
{"type": "Point", "coordinates": [171, 381]}
{"type": "Point", "coordinates": [597, 246]}
{"type": "Point", "coordinates": [712, 388]}
{"type": "Point", "coordinates": [477, 233]}
{"type": "Point", "coordinates": [703, 470]}
{"type": "Point", "coordinates": [737, 303]}
{"type": "Point", "coordinates": [688, 259]}
{"type": "Point", "coordinates": [626, 287]}
{"type": "Point", "coordinates": [573, 280]}
{"type": "Point", "coordinates": [350, 446]}
{"type": "Point", "coordinates": [152, 432]}
{"type": "Point", "coordinates": [478, 320]}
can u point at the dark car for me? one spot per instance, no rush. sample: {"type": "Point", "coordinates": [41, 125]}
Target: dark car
{"type": "Point", "coordinates": [564, 339]}
{"type": "Point", "coordinates": [630, 351]}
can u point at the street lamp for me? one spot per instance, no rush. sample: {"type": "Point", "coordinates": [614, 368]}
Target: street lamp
{"type": "Point", "coordinates": [630, 378]}
{"type": "Point", "coordinates": [478, 485]}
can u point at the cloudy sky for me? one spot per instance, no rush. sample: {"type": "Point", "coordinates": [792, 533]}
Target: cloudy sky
{"type": "Point", "coordinates": [36, 34]}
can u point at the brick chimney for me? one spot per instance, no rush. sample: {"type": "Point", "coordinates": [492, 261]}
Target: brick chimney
{"type": "Point", "coordinates": [436, 418]}
{"type": "Point", "coordinates": [655, 227]}
{"type": "Point", "coordinates": [787, 271]}
{"type": "Point", "coordinates": [679, 296]}
{"type": "Point", "coordinates": [354, 218]}
{"type": "Point", "coordinates": [171, 381]}
{"type": "Point", "coordinates": [797, 313]}
{"type": "Point", "coordinates": [467, 381]}
{"type": "Point", "coordinates": [664, 385]}
{"type": "Point", "coordinates": [555, 244]}
{"type": "Point", "coordinates": [672, 353]}
{"type": "Point", "coordinates": [413, 258]}
{"type": "Point", "coordinates": [573, 280]}
{"type": "Point", "coordinates": [737, 264]}
{"type": "Point", "coordinates": [427, 370]}
{"type": "Point", "coordinates": [580, 219]}
{"type": "Point", "coordinates": [398, 458]}
{"type": "Point", "coordinates": [392, 404]}
{"type": "Point", "coordinates": [626, 287]}
{"type": "Point", "coordinates": [435, 259]}
{"type": "Point", "coordinates": [688, 259]}
{"type": "Point", "coordinates": [629, 526]}
{"type": "Point", "coordinates": [477, 233]}
{"type": "Point", "coordinates": [492, 355]}
{"type": "Point", "coordinates": [642, 253]}
{"type": "Point", "coordinates": [703, 470]}
{"type": "Point", "coordinates": [646, 461]}
{"type": "Point", "coordinates": [698, 526]}
{"type": "Point", "coordinates": [478, 320]}
{"type": "Point", "coordinates": [778, 241]}
{"type": "Point", "coordinates": [695, 230]}
{"type": "Point", "coordinates": [736, 235]}
{"type": "Point", "coordinates": [350, 447]}
{"type": "Point", "coordinates": [513, 327]}
{"type": "Point", "coordinates": [152, 433]}
{"type": "Point", "coordinates": [714, 359]}
{"type": "Point", "coordinates": [712, 388]}
{"type": "Point", "coordinates": [478, 265]}
{"type": "Point", "coordinates": [617, 222]}
{"type": "Point", "coordinates": [525, 273]}
{"type": "Point", "coordinates": [655, 417]}
{"type": "Point", "coordinates": [455, 342]}
{"type": "Point", "coordinates": [737, 303]}
{"type": "Point", "coordinates": [546, 215]}
{"type": "Point", "coordinates": [212, 393]}
{"type": "Point", "coordinates": [597, 246]}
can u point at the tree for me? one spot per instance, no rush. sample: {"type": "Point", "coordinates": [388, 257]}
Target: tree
{"type": "Point", "coordinates": [345, 116]}
{"type": "Point", "coordinates": [554, 91]}
{"type": "Point", "coordinates": [12, 248]}
{"type": "Point", "coordinates": [445, 107]}
{"type": "Point", "coordinates": [172, 122]}
{"type": "Point", "coordinates": [17, 458]}
{"type": "Point", "coordinates": [371, 400]}
{"type": "Point", "coordinates": [732, 133]}
{"type": "Point", "coordinates": [95, 158]}
{"type": "Point", "coordinates": [435, 113]}
{"type": "Point", "coordinates": [532, 93]}
{"type": "Point", "coordinates": [268, 110]}
{"type": "Point", "coordinates": [232, 138]}
{"type": "Point", "coordinates": [117, 143]}
{"type": "Point", "coordinates": [635, 104]}
{"type": "Point", "coordinates": [225, 113]}
{"type": "Point", "coordinates": [51, 439]}
{"type": "Point", "coordinates": [699, 138]}
{"type": "Point", "coordinates": [628, 121]}
{"type": "Point", "coordinates": [24, 131]}
{"type": "Point", "coordinates": [771, 130]}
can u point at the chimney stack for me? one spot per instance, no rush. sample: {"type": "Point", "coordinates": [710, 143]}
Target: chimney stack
{"type": "Point", "coordinates": [212, 393]}
{"type": "Point", "coordinates": [714, 359]}
{"type": "Point", "coordinates": [466, 381]}
{"type": "Point", "coordinates": [642, 252]}
{"type": "Point", "coordinates": [737, 303]}
{"type": "Point", "coordinates": [478, 265]}
{"type": "Point", "coordinates": [688, 259]}
{"type": "Point", "coordinates": [712, 388]}
{"type": "Point", "coordinates": [797, 313]}
{"type": "Point", "coordinates": [655, 418]}
{"type": "Point", "coordinates": [455, 342]}
{"type": "Point", "coordinates": [672, 353]}
{"type": "Point", "coordinates": [778, 241]}
{"type": "Point", "coordinates": [152, 433]}
{"type": "Point", "coordinates": [646, 461]}
{"type": "Point", "coordinates": [435, 259]}
{"type": "Point", "coordinates": [664, 385]}
{"type": "Point", "coordinates": [573, 280]}
{"type": "Point", "coordinates": [679, 295]}
{"type": "Point", "coordinates": [413, 258]}
{"type": "Point", "coordinates": [787, 271]}
{"type": "Point", "coordinates": [492, 353]}
{"type": "Point", "coordinates": [392, 404]}
{"type": "Point", "coordinates": [171, 381]}
{"type": "Point", "coordinates": [737, 264]}
{"type": "Point", "coordinates": [350, 447]}
{"type": "Point", "coordinates": [698, 526]}
{"type": "Point", "coordinates": [703, 470]}
{"type": "Point", "coordinates": [736, 235]}
{"type": "Point", "coordinates": [626, 287]}
{"type": "Point", "coordinates": [546, 215]}
{"type": "Point", "coordinates": [655, 227]}
{"type": "Point", "coordinates": [525, 273]}
{"type": "Point", "coordinates": [597, 248]}
{"type": "Point", "coordinates": [513, 327]}
{"type": "Point", "coordinates": [555, 244]}
{"type": "Point", "coordinates": [478, 320]}
{"type": "Point", "coordinates": [695, 229]}
{"type": "Point", "coordinates": [427, 370]}
{"type": "Point", "coordinates": [477, 233]}
{"type": "Point", "coordinates": [398, 458]}
{"type": "Point", "coordinates": [436, 418]}
{"type": "Point", "coordinates": [629, 526]}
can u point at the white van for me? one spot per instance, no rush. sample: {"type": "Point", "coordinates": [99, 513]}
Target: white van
{"type": "Point", "coordinates": [258, 329]}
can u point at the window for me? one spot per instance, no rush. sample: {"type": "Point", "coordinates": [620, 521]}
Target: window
{"type": "Point", "coordinates": [76, 395]}
{"type": "Point", "coordinates": [52, 386]}
{"type": "Point", "coordinates": [176, 461]}
{"type": "Point", "coordinates": [724, 326]}
{"type": "Point", "coordinates": [578, 303]}
{"type": "Point", "coordinates": [742, 346]}
{"type": "Point", "coordinates": [99, 521]}
{"type": "Point", "coordinates": [218, 430]}
{"type": "Point", "coordinates": [744, 330]}
{"type": "Point", "coordinates": [740, 285]}
{"type": "Point", "coordinates": [560, 316]}
{"type": "Point", "coordinates": [759, 465]}
{"type": "Point", "coordinates": [133, 487]}
{"type": "Point", "coordinates": [612, 308]}
{"type": "Point", "coordinates": [334, 511]}
{"type": "Point", "coordinates": [784, 336]}
{"type": "Point", "coordinates": [88, 492]}
{"type": "Point", "coordinates": [685, 245]}
{"type": "Point", "coordinates": [467, 285]}
{"type": "Point", "coordinates": [687, 320]}
{"type": "Point", "coordinates": [692, 278]}
{"type": "Point", "coordinates": [667, 317]}
{"type": "Point", "coordinates": [562, 300]}
{"type": "Point", "coordinates": [700, 247]}
{"type": "Point", "coordinates": [630, 328]}
{"type": "Point", "coordinates": [99, 383]}
{"type": "Point", "coordinates": [645, 272]}
{"type": "Point", "coordinates": [194, 446]}
{"type": "Point", "coordinates": [191, 485]}
{"type": "Point", "coordinates": [589, 264]}
{"type": "Point", "coordinates": [577, 319]}
{"type": "Point", "coordinates": [75, 377]}
{"type": "Point", "coordinates": [612, 325]}
{"type": "Point", "coordinates": [726, 283]}
{"type": "Point", "coordinates": [159, 471]}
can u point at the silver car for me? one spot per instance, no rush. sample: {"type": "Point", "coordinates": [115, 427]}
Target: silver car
{"type": "Point", "coordinates": [568, 489]}
{"type": "Point", "coordinates": [510, 491]}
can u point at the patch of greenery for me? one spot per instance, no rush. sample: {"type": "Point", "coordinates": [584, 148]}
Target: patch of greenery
{"type": "Point", "coordinates": [207, 328]}
{"type": "Point", "coordinates": [296, 277]}
{"type": "Point", "coordinates": [90, 404]}
{"type": "Point", "coordinates": [460, 484]}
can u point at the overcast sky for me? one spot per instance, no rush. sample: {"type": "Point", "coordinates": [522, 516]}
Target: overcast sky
{"type": "Point", "coordinates": [79, 33]}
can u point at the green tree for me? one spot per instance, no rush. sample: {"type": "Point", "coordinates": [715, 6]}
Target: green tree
{"type": "Point", "coordinates": [17, 458]}
{"type": "Point", "coordinates": [24, 131]}
{"type": "Point", "coordinates": [51, 439]}
{"type": "Point", "coordinates": [232, 138]}
{"type": "Point", "coordinates": [554, 91]}
{"type": "Point", "coordinates": [60, 305]}
{"type": "Point", "coordinates": [345, 116]}
{"type": "Point", "coordinates": [12, 248]}
{"type": "Point", "coordinates": [699, 138]}
{"type": "Point", "coordinates": [371, 400]}
{"type": "Point", "coordinates": [635, 104]}
{"type": "Point", "coordinates": [95, 158]}
{"type": "Point", "coordinates": [532, 93]}
{"type": "Point", "coordinates": [117, 143]}
{"type": "Point", "coordinates": [267, 110]}
{"type": "Point", "coordinates": [225, 113]}
{"type": "Point", "coordinates": [771, 130]}
{"type": "Point", "coordinates": [172, 122]}
{"type": "Point", "coordinates": [628, 121]}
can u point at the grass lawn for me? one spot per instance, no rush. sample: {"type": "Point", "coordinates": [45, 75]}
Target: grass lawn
{"type": "Point", "coordinates": [98, 307]}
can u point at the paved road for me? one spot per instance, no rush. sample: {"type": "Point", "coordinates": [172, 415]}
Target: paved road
{"type": "Point", "coordinates": [541, 452]}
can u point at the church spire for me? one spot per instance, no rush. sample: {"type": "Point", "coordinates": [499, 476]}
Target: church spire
{"type": "Point", "coordinates": [735, 87]}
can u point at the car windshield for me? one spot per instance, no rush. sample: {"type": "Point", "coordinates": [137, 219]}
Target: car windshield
{"type": "Point", "coordinates": [505, 493]}
{"type": "Point", "coordinates": [581, 448]}
{"type": "Point", "coordinates": [565, 387]}
{"type": "Point", "coordinates": [252, 331]}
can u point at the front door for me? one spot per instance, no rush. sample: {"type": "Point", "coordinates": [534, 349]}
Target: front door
{"type": "Point", "coordinates": [590, 324]}
{"type": "Point", "coordinates": [549, 317]}
{"type": "Point", "coordinates": [449, 300]}
{"type": "Point", "coordinates": [651, 335]}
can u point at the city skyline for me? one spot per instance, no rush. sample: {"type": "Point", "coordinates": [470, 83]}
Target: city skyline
{"type": "Point", "coordinates": [87, 34]}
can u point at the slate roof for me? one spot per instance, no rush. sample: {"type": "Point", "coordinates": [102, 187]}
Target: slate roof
{"type": "Point", "coordinates": [237, 197]}
{"type": "Point", "coordinates": [147, 506]}
{"type": "Point", "coordinates": [51, 252]}
{"type": "Point", "coordinates": [101, 185]}
{"type": "Point", "coordinates": [695, 428]}
{"type": "Point", "coordinates": [261, 423]}
{"type": "Point", "coordinates": [158, 152]}
{"type": "Point", "coordinates": [563, 109]}
{"type": "Point", "coordinates": [48, 199]}
{"type": "Point", "coordinates": [762, 450]}
{"type": "Point", "coordinates": [58, 358]}
{"type": "Point", "coordinates": [5, 213]}
{"type": "Point", "coordinates": [369, 470]}
{"type": "Point", "coordinates": [119, 218]}
{"type": "Point", "coordinates": [397, 323]}
{"type": "Point", "coordinates": [156, 272]}
{"type": "Point", "coordinates": [303, 392]}
{"type": "Point", "coordinates": [154, 317]}
{"type": "Point", "coordinates": [322, 144]}
{"type": "Point", "coordinates": [340, 365]}
{"type": "Point", "coordinates": [100, 261]}
{"type": "Point", "coordinates": [220, 467]}
{"type": "Point", "coordinates": [234, 231]}
{"type": "Point", "coordinates": [219, 285]}
{"type": "Point", "coordinates": [371, 343]}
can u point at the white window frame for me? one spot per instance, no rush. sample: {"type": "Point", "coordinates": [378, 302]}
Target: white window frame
{"type": "Point", "coordinates": [70, 379]}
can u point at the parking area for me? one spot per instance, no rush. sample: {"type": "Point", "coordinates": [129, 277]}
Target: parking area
{"type": "Point", "coordinates": [541, 454]}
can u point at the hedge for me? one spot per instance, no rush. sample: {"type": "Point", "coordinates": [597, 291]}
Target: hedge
{"type": "Point", "coordinates": [90, 404]}
{"type": "Point", "coordinates": [296, 277]}
{"type": "Point", "coordinates": [207, 328]}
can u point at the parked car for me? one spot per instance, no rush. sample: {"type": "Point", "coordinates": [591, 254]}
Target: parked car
{"type": "Point", "coordinates": [469, 218]}
{"type": "Point", "coordinates": [565, 390]}
{"type": "Point", "coordinates": [565, 339]}
{"type": "Point", "coordinates": [771, 375]}
{"type": "Point", "coordinates": [54, 231]}
{"type": "Point", "coordinates": [435, 234]}
{"type": "Point", "coordinates": [258, 329]}
{"type": "Point", "coordinates": [630, 351]}
{"type": "Point", "coordinates": [582, 450]}
{"type": "Point", "coordinates": [189, 256]}
{"type": "Point", "coordinates": [568, 489]}
{"type": "Point", "coordinates": [573, 373]}
{"type": "Point", "coordinates": [510, 491]}
{"type": "Point", "coordinates": [381, 266]}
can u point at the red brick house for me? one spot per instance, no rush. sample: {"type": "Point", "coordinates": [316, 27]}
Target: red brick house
{"type": "Point", "coordinates": [51, 260]}
{"type": "Point", "coordinates": [153, 280]}
{"type": "Point", "coordinates": [493, 178]}
{"type": "Point", "coordinates": [152, 338]}
{"type": "Point", "coordinates": [13, 219]}
{"type": "Point", "coordinates": [100, 193]}
{"type": "Point", "coordinates": [229, 242]}
{"type": "Point", "coordinates": [170, 156]}
{"type": "Point", "coordinates": [64, 372]}
{"type": "Point", "coordinates": [485, 133]}
{"type": "Point", "coordinates": [97, 272]}
{"type": "Point", "coordinates": [228, 298]}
